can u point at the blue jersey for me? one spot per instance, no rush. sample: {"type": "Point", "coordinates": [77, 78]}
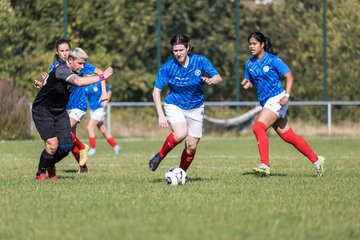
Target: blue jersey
{"type": "Point", "coordinates": [93, 93]}
{"type": "Point", "coordinates": [185, 84]}
{"type": "Point", "coordinates": [78, 97]}
{"type": "Point", "coordinates": [264, 74]}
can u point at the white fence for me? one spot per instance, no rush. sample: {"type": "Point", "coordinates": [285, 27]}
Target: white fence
{"type": "Point", "coordinates": [329, 105]}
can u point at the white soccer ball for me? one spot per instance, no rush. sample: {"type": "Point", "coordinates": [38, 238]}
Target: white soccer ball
{"type": "Point", "coordinates": [175, 176]}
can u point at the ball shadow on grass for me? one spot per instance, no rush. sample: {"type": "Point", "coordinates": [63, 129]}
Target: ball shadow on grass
{"type": "Point", "coordinates": [195, 179]}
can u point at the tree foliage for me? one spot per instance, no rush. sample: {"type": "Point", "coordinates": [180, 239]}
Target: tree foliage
{"type": "Point", "coordinates": [121, 33]}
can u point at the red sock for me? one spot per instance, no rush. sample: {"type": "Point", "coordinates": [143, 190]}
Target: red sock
{"type": "Point", "coordinates": [259, 130]}
{"type": "Point", "coordinates": [92, 142]}
{"type": "Point", "coordinates": [77, 142]}
{"type": "Point", "coordinates": [186, 160]}
{"type": "Point", "coordinates": [111, 141]}
{"type": "Point", "coordinates": [300, 144]}
{"type": "Point", "coordinates": [169, 144]}
{"type": "Point", "coordinates": [76, 153]}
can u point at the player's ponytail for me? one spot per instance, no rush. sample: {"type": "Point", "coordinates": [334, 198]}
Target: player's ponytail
{"type": "Point", "coordinates": [263, 39]}
{"type": "Point", "coordinates": [268, 46]}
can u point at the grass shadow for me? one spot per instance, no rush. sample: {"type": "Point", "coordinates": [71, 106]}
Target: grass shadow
{"type": "Point", "coordinates": [70, 171]}
{"type": "Point", "coordinates": [157, 180]}
{"type": "Point", "coordinates": [262, 175]}
{"type": "Point", "coordinates": [65, 177]}
{"type": "Point", "coordinates": [196, 179]}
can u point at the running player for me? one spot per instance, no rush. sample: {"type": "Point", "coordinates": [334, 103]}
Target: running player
{"type": "Point", "coordinates": [49, 110]}
{"type": "Point", "coordinates": [97, 117]}
{"type": "Point", "coordinates": [263, 70]}
{"type": "Point", "coordinates": [77, 105]}
{"type": "Point", "coordinates": [185, 74]}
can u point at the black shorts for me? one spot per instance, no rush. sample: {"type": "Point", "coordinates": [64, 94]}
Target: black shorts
{"type": "Point", "coordinates": [50, 125]}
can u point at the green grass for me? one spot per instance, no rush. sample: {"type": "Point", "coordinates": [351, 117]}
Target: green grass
{"type": "Point", "coordinates": [121, 199]}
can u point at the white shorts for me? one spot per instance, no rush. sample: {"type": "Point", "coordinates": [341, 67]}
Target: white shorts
{"type": "Point", "coordinates": [98, 114]}
{"type": "Point", "coordinates": [274, 105]}
{"type": "Point", "coordinates": [76, 114]}
{"type": "Point", "coordinates": [194, 118]}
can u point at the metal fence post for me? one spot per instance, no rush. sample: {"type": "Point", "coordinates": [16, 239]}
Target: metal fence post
{"type": "Point", "coordinates": [158, 34]}
{"type": "Point", "coordinates": [65, 19]}
{"type": "Point", "coordinates": [31, 121]}
{"type": "Point", "coordinates": [108, 119]}
{"type": "Point", "coordinates": [237, 49]}
{"type": "Point", "coordinates": [329, 117]}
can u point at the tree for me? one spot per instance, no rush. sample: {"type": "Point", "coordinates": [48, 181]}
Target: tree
{"type": "Point", "coordinates": [121, 33]}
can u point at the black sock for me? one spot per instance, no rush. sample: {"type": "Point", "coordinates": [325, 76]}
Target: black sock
{"type": "Point", "coordinates": [59, 156]}
{"type": "Point", "coordinates": [45, 160]}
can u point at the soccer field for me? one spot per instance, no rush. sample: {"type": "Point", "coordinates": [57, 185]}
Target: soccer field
{"type": "Point", "coordinates": [120, 198]}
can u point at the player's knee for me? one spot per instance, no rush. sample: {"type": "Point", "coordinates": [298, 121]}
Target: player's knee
{"type": "Point", "coordinates": [180, 136]}
{"type": "Point", "coordinates": [51, 149]}
{"type": "Point", "coordinates": [191, 149]}
{"type": "Point", "coordinates": [104, 132]}
{"type": "Point", "coordinates": [191, 146]}
{"type": "Point", "coordinates": [51, 146]}
{"type": "Point", "coordinates": [259, 128]}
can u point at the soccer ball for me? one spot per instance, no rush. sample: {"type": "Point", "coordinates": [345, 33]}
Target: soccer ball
{"type": "Point", "coordinates": [175, 176]}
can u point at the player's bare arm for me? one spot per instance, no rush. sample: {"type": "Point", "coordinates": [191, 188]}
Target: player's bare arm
{"type": "Point", "coordinates": [213, 80]}
{"type": "Point", "coordinates": [157, 101]}
{"type": "Point", "coordinates": [104, 97]}
{"type": "Point", "coordinates": [84, 81]}
{"type": "Point", "coordinates": [289, 82]}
